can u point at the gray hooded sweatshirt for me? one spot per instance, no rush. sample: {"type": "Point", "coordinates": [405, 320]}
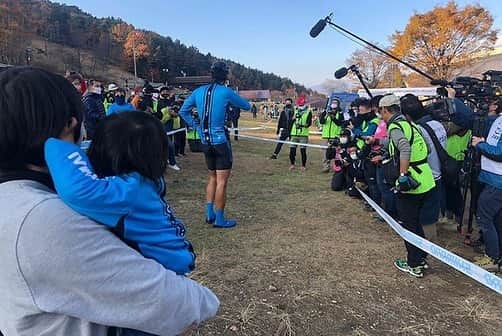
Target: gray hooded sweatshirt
{"type": "Point", "coordinates": [62, 274]}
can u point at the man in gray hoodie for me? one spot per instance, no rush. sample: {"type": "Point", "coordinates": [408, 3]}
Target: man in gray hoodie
{"type": "Point", "coordinates": [61, 273]}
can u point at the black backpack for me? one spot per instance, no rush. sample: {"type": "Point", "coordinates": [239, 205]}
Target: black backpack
{"type": "Point", "coordinates": [450, 168]}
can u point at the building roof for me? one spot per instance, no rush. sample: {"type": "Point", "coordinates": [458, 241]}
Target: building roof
{"type": "Point", "coordinates": [191, 80]}
{"type": "Point", "coordinates": [255, 94]}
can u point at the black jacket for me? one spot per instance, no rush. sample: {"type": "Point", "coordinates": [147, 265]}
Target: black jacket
{"type": "Point", "coordinates": [285, 120]}
{"type": "Point", "coordinates": [94, 111]}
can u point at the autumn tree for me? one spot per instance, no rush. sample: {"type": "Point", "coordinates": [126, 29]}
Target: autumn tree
{"type": "Point", "coordinates": [372, 66]}
{"type": "Point", "coordinates": [445, 38]}
{"type": "Point", "coordinates": [136, 45]}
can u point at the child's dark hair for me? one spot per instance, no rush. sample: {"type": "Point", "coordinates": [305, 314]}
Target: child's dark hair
{"type": "Point", "coordinates": [129, 142]}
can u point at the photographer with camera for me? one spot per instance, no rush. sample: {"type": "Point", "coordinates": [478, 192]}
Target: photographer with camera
{"type": "Point", "coordinates": [302, 120]}
{"type": "Point", "coordinates": [341, 178]}
{"type": "Point", "coordinates": [284, 126]}
{"type": "Point", "coordinates": [495, 107]}
{"type": "Point", "coordinates": [332, 121]}
{"type": "Point", "coordinates": [435, 137]}
{"type": "Point", "coordinates": [366, 126]}
{"type": "Point", "coordinates": [377, 154]}
{"type": "Point", "coordinates": [408, 170]}
{"type": "Point", "coordinates": [488, 142]}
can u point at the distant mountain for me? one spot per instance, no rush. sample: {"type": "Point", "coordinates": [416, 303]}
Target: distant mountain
{"type": "Point", "coordinates": [64, 37]}
{"type": "Point", "coordinates": [335, 85]}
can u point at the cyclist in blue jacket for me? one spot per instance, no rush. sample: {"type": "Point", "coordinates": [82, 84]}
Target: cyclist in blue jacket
{"type": "Point", "coordinates": [121, 185]}
{"type": "Point", "coordinates": [211, 102]}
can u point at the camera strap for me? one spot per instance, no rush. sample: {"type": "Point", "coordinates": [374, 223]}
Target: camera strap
{"type": "Point", "coordinates": [413, 164]}
{"type": "Point", "coordinates": [442, 154]}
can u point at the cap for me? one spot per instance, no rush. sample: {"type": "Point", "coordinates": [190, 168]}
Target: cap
{"type": "Point", "coordinates": [112, 87]}
{"type": "Point", "coordinates": [389, 100]}
{"type": "Point", "coordinates": [300, 101]}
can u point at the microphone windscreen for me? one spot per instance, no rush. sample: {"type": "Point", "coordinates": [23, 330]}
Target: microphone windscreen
{"type": "Point", "coordinates": [342, 72]}
{"type": "Point", "coordinates": [318, 28]}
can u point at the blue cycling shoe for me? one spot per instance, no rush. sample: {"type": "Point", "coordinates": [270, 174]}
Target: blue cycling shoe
{"type": "Point", "coordinates": [228, 223]}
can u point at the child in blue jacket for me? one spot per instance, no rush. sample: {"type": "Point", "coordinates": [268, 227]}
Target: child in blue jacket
{"type": "Point", "coordinates": [121, 185]}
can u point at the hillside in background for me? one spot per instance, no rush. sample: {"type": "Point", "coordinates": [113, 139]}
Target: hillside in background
{"type": "Point", "coordinates": [61, 37]}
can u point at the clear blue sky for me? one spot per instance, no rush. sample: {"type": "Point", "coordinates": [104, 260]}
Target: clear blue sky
{"type": "Point", "coordinates": [272, 35]}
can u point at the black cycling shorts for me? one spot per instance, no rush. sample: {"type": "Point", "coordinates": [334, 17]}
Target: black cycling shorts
{"type": "Point", "coordinates": [218, 157]}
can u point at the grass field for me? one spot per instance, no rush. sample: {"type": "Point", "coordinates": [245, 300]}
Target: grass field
{"type": "Point", "coordinates": [305, 260]}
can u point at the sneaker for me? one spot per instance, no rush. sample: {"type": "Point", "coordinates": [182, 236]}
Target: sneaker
{"type": "Point", "coordinates": [174, 167]}
{"type": "Point", "coordinates": [292, 167]}
{"type": "Point", "coordinates": [424, 264]}
{"type": "Point", "coordinates": [302, 168]}
{"type": "Point", "coordinates": [403, 266]}
{"type": "Point", "coordinates": [273, 157]}
{"type": "Point", "coordinates": [229, 223]}
{"type": "Point", "coordinates": [487, 263]}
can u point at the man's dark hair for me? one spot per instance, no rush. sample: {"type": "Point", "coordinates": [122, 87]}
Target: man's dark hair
{"type": "Point", "coordinates": [34, 106]}
{"type": "Point", "coordinates": [412, 106]}
{"type": "Point", "coordinates": [289, 100]}
{"type": "Point", "coordinates": [375, 101]}
{"type": "Point", "coordinates": [364, 102]}
{"type": "Point", "coordinates": [129, 142]}
{"type": "Point", "coordinates": [498, 102]}
{"type": "Point", "coordinates": [219, 71]}
{"type": "Point", "coordinates": [355, 102]}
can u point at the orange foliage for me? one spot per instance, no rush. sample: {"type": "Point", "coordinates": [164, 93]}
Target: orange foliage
{"type": "Point", "coordinates": [137, 40]}
{"type": "Point", "coordinates": [445, 38]}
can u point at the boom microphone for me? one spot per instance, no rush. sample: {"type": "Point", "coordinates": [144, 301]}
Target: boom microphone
{"type": "Point", "coordinates": [342, 72]}
{"type": "Point", "coordinates": [319, 26]}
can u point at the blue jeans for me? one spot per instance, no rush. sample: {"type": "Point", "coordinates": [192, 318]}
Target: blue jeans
{"type": "Point", "coordinates": [388, 197]}
{"type": "Point", "coordinates": [171, 150]}
{"type": "Point", "coordinates": [489, 218]}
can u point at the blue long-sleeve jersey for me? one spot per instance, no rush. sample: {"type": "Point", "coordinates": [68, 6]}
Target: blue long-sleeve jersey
{"type": "Point", "coordinates": [221, 97]}
{"type": "Point", "coordinates": [133, 206]}
{"type": "Point", "coordinates": [116, 108]}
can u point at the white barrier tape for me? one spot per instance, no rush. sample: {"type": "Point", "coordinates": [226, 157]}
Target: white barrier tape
{"type": "Point", "coordinates": [283, 141]}
{"type": "Point", "coordinates": [460, 264]}
{"type": "Point", "coordinates": [176, 131]}
{"type": "Point", "coordinates": [248, 128]}
{"type": "Point", "coordinates": [87, 143]}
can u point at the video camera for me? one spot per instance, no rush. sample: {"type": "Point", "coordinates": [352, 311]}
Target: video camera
{"type": "Point", "coordinates": [473, 91]}
{"type": "Point", "coordinates": [489, 86]}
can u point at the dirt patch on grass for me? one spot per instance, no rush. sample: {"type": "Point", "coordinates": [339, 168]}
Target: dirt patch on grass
{"type": "Point", "coordinates": [304, 260]}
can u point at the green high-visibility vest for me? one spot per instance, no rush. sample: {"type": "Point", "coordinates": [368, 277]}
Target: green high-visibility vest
{"type": "Point", "coordinates": [364, 127]}
{"type": "Point", "coordinates": [300, 127]}
{"type": "Point", "coordinates": [176, 123]}
{"type": "Point", "coordinates": [456, 145]}
{"type": "Point", "coordinates": [419, 168]}
{"type": "Point", "coordinates": [155, 104]}
{"type": "Point", "coordinates": [192, 134]}
{"type": "Point", "coordinates": [330, 130]}
{"type": "Point", "coordinates": [106, 105]}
